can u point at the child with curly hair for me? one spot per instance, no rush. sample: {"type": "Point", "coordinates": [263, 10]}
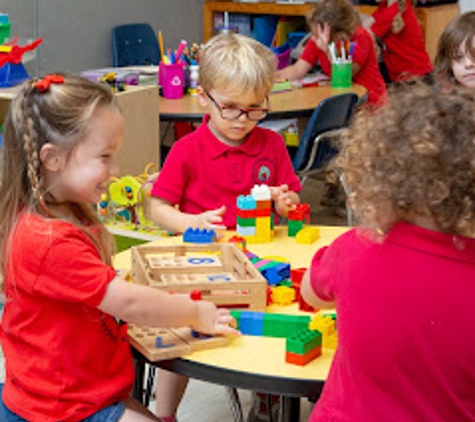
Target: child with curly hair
{"type": "Point", "coordinates": [395, 26]}
{"type": "Point", "coordinates": [455, 60]}
{"type": "Point", "coordinates": [403, 282]}
{"type": "Point", "coordinates": [338, 21]}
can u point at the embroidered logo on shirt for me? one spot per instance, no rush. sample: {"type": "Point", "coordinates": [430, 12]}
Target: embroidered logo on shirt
{"type": "Point", "coordinates": [263, 174]}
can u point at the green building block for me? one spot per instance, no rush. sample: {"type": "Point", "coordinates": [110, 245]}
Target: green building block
{"type": "Point", "coordinates": [245, 222]}
{"type": "Point", "coordinates": [294, 226]}
{"type": "Point", "coordinates": [303, 341]}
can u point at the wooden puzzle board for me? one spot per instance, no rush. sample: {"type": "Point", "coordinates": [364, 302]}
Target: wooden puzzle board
{"type": "Point", "coordinates": [177, 342]}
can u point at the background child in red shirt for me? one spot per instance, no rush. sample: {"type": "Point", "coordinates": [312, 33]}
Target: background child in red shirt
{"type": "Point", "coordinates": [67, 357]}
{"type": "Point", "coordinates": [406, 275]}
{"type": "Point", "coordinates": [334, 21]}
{"type": "Point", "coordinates": [395, 25]}
{"type": "Point", "coordinates": [455, 60]}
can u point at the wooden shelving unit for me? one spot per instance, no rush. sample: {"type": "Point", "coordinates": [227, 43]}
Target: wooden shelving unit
{"type": "Point", "coordinates": [433, 19]}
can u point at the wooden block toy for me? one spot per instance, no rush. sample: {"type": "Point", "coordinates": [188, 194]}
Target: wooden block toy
{"type": "Point", "coordinates": [221, 271]}
{"type": "Point", "coordinates": [162, 343]}
{"type": "Point", "coordinates": [307, 235]}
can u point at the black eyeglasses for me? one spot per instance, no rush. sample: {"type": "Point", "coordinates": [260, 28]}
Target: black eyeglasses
{"type": "Point", "coordinates": [234, 113]}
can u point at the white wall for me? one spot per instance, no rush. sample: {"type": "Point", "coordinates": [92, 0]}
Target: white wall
{"type": "Point", "coordinates": [467, 5]}
{"type": "Point", "coordinates": [76, 34]}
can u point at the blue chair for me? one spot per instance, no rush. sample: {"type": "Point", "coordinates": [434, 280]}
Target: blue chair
{"type": "Point", "coordinates": [316, 147]}
{"type": "Point", "coordinates": [134, 44]}
{"type": "Point", "coordinates": [327, 121]}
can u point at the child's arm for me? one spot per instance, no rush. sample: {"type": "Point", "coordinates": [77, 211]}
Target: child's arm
{"type": "Point", "coordinates": [284, 199]}
{"type": "Point", "coordinates": [170, 218]}
{"type": "Point", "coordinates": [309, 295]}
{"type": "Point", "coordinates": [147, 306]}
{"type": "Point", "coordinates": [296, 71]}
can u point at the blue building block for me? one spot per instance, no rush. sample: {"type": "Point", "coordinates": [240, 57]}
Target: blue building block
{"type": "Point", "coordinates": [192, 235]}
{"type": "Point", "coordinates": [251, 323]}
{"type": "Point", "coordinates": [247, 202]}
{"type": "Point", "coordinates": [276, 274]}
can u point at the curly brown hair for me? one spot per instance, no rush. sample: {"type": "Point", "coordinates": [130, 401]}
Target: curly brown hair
{"type": "Point", "coordinates": [413, 157]}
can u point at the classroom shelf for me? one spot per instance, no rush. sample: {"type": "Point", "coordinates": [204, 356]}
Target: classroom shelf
{"type": "Point", "coordinates": [433, 19]}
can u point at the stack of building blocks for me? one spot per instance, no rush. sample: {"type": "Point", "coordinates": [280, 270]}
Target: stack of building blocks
{"type": "Point", "coordinates": [326, 325]}
{"type": "Point", "coordinates": [221, 271]}
{"type": "Point", "coordinates": [296, 276]}
{"type": "Point", "coordinates": [254, 215]}
{"type": "Point", "coordinates": [162, 343]}
{"type": "Point", "coordinates": [192, 235]}
{"type": "Point", "coordinates": [297, 218]}
{"type": "Point", "coordinates": [303, 347]}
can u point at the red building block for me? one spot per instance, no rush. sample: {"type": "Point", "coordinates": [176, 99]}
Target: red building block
{"type": "Point", "coordinates": [302, 360]}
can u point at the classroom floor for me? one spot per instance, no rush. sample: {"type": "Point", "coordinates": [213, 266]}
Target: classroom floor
{"type": "Point", "coordinates": [209, 402]}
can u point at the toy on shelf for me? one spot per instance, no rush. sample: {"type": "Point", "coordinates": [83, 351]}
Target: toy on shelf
{"type": "Point", "coordinates": [255, 220]}
{"type": "Point", "coordinates": [161, 343]}
{"type": "Point", "coordinates": [192, 235]}
{"type": "Point", "coordinates": [221, 271]}
{"type": "Point", "coordinates": [12, 71]}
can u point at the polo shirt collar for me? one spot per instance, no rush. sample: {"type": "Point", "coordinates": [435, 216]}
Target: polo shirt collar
{"type": "Point", "coordinates": [410, 236]}
{"type": "Point", "coordinates": [251, 147]}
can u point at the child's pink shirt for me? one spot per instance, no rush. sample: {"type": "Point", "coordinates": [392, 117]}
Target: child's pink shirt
{"type": "Point", "coordinates": [405, 317]}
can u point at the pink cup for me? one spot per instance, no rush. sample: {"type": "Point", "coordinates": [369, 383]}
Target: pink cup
{"type": "Point", "coordinates": [171, 79]}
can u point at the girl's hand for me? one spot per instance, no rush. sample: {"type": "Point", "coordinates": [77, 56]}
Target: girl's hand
{"type": "Point", "coordinates": [282, 200]}
{"type": "Point", "coordinates": [212, 320]}
{"type": "Point", "coordinates": [321, 36]}
{"type": "Point", "coordinates": [212, 219]}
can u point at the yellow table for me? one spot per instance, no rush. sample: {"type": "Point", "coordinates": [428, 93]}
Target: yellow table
{"type": "Point", "coordinates": [256, 363]}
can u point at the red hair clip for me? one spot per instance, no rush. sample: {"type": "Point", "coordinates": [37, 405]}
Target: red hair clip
{"type": "Point", "coordinates": [43, 84]}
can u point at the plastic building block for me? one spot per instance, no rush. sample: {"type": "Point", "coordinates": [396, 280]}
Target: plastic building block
{"type": "Point", "coordinates": [301, 212]}
{"type": "Point", "coordinates": [303, 341]}
{"type": "Point", "coordinates": [277, 273]}
{"type": "Point", "coordinates": [12, 74]}
{"type": "Point", "coordinates": [192, 235]}
{"type": "Point", "coordinates": [251, 323]}
{"type": "Point", "coordinates": [304, 306]}
{"type": "Point", "coordinates": [296, 275]}
{"type": "Point", "coordinates": [261, 192]}
{"type": "Point", "coordinates": [307, 235]}
{"type": "Point", "coordinates": [264, 204]}
{"type": "Point", "coordinates": [246, 222]}
{"type": "Point", "coordinates": [294, 226]}
{"type": "Point", "coordinates": [302, 360]}
{"type": "Point", "coordinates": [246, 231]}
{"type": "Point", "coordinates": [283, 295]}
{"type": "Point", "coordinates": [246, 202]}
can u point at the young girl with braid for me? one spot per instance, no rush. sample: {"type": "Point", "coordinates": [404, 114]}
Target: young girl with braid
{"type": "Point", "coordinates": [395, 26]}
{"type": "Point", "coordinates": [67, 357]}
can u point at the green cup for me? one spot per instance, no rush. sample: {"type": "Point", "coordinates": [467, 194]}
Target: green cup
{"type": "Point", "coordinates": [341, 75]}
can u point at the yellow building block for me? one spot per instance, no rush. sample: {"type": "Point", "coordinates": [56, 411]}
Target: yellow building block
{"type": "Point", "coordinates": [330, 342]}
{"type": "Point", "coordinates": [307, 235]}
{"type": "Point", "coordinates": [283, 295]}
{"type": "Point", "coordinates": [324, 324]}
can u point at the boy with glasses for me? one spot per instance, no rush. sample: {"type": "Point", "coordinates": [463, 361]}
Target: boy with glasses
{"type": "Point", "coordinates": [223, 158]}
{"type": "Point", "coordinates": [228, 154]}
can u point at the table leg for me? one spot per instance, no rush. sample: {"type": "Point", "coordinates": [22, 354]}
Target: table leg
{"type": "Point", "coordinates": [290, 409]}
{"type": "Point", "coordinates": [235, 404]}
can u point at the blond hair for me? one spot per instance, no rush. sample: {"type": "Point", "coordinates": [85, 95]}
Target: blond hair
{"type": "Point", "coordinates": [414, 157]}
{"type": "Point", "coordinates": [59, 116]}
{"type": "Point", "coordinates": [236, 64]}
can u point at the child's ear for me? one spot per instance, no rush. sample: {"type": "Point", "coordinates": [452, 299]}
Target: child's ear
{"type": "Point", "coordinates": [51, 157]}
{"type": "Point", "coordinates": [202, 97]}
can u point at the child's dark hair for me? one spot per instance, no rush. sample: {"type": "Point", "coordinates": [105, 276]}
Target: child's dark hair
{"type": "Point", "coordinates": [340, 15]}
{"type": "Point", "coordinates": [460, 29]}
{"type": "Point", "coordinates": [414, 157]}
{"type": "Point", "coordinates": [60, 115]}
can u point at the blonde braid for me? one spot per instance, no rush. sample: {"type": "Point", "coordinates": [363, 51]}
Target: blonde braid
{"type": "Point", "coordinates": [398, 22]}
{"type": "Point", "coordinates": [31, 148]}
